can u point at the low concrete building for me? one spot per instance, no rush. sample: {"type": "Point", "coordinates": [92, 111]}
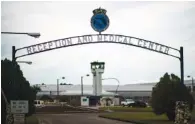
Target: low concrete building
{"type": "Point", "coordinates": [140, 91]}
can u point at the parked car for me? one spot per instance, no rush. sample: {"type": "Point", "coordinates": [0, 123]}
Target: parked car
{"type": "Point", "coordinates": [138, 104]}
{"type": "Point", "coordinates": [127, 102]}
{"type": "Point", "coordinates": [39, 103]}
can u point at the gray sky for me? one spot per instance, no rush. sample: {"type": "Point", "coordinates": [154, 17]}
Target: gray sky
{"type": "Point", "coordinates": [169, 23]}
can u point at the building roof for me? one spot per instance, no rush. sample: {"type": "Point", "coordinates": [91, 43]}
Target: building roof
{"type": "Point", "coordinates": [74, 92]}
{"type": "Point", "coordinates": [89, 88]}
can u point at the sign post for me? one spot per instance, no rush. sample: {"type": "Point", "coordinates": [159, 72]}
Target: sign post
{"type": "Point", "coordinates": [19, 108]}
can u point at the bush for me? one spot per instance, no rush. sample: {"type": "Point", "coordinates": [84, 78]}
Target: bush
{"type": "Point", "coordinates": [165, 94]}
{"type": "Point", "coordinates": [46, 98]}
{"type": "Point", "coordinates": [63, 98]}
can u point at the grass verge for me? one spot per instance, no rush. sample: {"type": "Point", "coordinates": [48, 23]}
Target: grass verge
{"type": "Point", "coordinates": [32, 120]}
{"type": "Point", "coordinates": [139, 117]}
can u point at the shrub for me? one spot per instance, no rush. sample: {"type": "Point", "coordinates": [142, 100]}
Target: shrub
{"type": "Point", "coordinates": [165, 94]}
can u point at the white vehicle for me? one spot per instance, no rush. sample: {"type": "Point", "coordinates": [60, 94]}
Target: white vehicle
{"type": "Point", "coordinates": [127, 102]}
{"type": "Point", "coordinates": [39, 103]}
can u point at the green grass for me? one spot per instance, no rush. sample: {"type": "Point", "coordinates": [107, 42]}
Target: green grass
{"type": "Point", "coordinates": [127, 109]}
{"type": "Point", "coordinates": [32, 120]}
{"type": "Point", "coordinates": [143, 117]}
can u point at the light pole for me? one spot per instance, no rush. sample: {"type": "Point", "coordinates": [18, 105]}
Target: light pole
{"type": "Point", "coordinates": [82, 84]}
{"type": "Point", "coordinates": [192, 83]}
{"type": "Point", "coordinates": [58, 85]}
{"type": "Point", "coordinates": [35, 35]}
{"type": "Point", "coordinates": [113, 79]}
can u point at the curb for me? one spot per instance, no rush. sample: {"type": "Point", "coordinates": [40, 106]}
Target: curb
{"type": "Point", "coordinates": [130, 121]}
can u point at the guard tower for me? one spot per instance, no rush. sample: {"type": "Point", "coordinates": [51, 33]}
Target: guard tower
{"type": "Point", "coordinates": [97, 69]}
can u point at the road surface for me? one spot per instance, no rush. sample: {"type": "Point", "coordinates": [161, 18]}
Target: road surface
{"type": "Point", "coordinates": [75, 118]}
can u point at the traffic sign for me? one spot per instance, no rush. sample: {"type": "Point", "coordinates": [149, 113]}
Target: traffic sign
{"type": "Point", "coordinates": [19, 106]}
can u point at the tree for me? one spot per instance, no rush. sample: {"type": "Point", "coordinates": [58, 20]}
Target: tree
{"type": "Point", "coordinates": [36, 88]}
{"type": "Point", "coordinates": [15, 86]}
{"type": "Point", "coordinates": [165, 94]}
{"type": "Point", "coordinates": [46, 98]}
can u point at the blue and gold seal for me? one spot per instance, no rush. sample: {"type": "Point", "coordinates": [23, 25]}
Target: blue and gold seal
{"type": "Point", "coordinates": [99, 21]}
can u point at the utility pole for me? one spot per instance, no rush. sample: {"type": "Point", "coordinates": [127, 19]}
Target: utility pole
{"type": "Point", "coordinates": [182, 65]}
{"type": "Point", "coordinates": [81, 85]}
{"type": "Point", "coordinates": [57, 87]}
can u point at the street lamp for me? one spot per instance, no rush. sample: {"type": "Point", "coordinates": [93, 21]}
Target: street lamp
{"type": "Point", "coordinates": [58, 85]}
{"type": "Point", "coordinates": [113, 79]}
{"type": "Point", "coordinates": [27, 62]}
{"type": "Point", "coordinates": [192, 83]}
{"type": "Point", "coordinates": [35, 35]}
{"type": "Point", "coordinates": [82, 83]}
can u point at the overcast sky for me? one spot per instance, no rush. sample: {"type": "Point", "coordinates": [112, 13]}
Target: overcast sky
{"type": "Point", "coordinates": [169, 23]}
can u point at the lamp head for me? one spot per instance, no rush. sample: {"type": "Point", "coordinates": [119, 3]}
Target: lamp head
{"type": "Point", "coordinates": [35, 35]}
{"type": "Point", "coordinates": [29, 63]}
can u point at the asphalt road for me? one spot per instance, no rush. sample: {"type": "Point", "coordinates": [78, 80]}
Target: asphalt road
{"type": "Point", "coordinates": [76, 118]}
